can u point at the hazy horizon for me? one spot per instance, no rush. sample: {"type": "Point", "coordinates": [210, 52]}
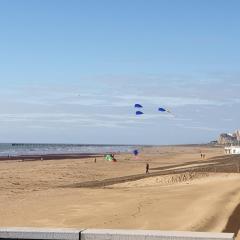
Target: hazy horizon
{"type": "Point", "coordinates": [99, 144]}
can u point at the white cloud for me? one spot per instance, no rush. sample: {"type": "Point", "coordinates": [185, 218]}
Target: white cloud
{"type": "Point", "coordinates": [74, 108]}
{"type": "Point", "coordinates": [204, 128]}
{"type": "Point", "coordinates": [169, 101]}
{"type": "Point", "coordinates": [54, 119]}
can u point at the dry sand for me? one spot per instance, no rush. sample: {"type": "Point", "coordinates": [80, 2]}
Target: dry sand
{"type": "Point", "coordinates": [33, 193]}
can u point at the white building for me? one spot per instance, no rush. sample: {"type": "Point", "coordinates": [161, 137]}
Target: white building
{"type": "Point", "coordinates": [232, 150]}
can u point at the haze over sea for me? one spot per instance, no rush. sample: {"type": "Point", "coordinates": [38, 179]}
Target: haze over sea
{"type": "Point", "coordinates": [17, 149]}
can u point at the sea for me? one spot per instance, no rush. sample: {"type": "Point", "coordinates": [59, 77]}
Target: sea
{"type": "Point", "coordinates": [18, 149]}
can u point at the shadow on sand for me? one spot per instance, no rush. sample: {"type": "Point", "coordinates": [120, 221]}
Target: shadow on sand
{"type": "Point", "coordinates": [233, 224]}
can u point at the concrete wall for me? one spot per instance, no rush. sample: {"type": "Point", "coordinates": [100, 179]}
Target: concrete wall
{"type": "Point", "coordinates": [106, 234]}
{"type": "Point", "coordinates": [40, 233]}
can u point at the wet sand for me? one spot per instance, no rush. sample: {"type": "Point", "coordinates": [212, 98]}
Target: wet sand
{"type": "Point", "coordinates": [49, 193]}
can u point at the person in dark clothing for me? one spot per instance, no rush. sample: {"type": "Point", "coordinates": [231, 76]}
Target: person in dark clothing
{"type": "Point", "coordinates": [113, 157]}
{"type": "Point", "coordinates": [147, 168]}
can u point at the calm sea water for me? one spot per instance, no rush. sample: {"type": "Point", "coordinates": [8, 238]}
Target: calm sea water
{"type": "Point", "coordinates": [42, 149]}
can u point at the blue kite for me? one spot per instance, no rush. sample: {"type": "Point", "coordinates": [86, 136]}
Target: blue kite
{"type": "Point", "coordinates": [163, 110]}
{"type": "Point", "coordinates": [139, 113]}
{"type": "Point", "coordinates": [138, 105]}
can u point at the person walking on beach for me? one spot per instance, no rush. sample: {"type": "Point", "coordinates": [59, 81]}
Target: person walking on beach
{"type": "Point", "coordinates": [147, 168]}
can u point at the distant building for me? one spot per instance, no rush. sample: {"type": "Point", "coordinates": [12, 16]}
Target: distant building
{"type": "Point", "coordinates": [226, 138]}
{"type": "Point", "coordinates": [238, 135]}
{"type": "Point", "coordinates": [232, 150]}
{"type": "Point", "coordinates": [229, 138]}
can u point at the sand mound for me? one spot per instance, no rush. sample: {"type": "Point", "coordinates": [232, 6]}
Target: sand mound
{"type": "Point", "coordinates": [171, 179]}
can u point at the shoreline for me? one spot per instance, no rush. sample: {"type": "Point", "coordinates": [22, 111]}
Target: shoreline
{"type": "Point", "coordinates": [41, 157]}
{"type": "Point", "coordinates": [58, 156]}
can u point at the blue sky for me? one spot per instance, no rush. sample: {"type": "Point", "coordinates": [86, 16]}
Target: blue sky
{"type": "Point", "coordinates": [71, 71]}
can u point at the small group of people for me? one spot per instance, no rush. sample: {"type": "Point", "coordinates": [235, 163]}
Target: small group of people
{"type": "Point", "coordinates": [203, 155]}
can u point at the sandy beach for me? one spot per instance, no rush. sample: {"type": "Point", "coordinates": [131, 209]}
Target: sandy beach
{"type": "Point", "coordinates": [182, 191]}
